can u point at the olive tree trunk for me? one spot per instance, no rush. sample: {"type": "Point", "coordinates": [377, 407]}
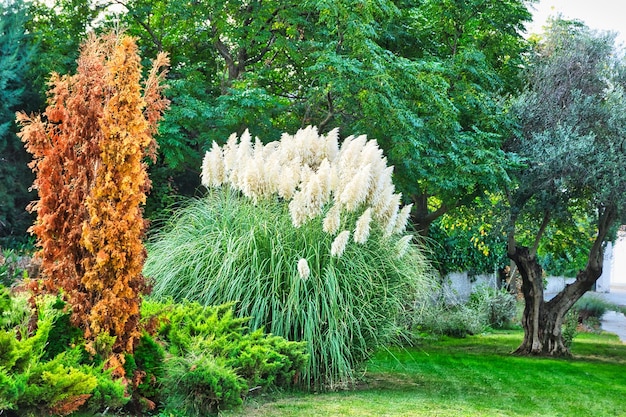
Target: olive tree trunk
{"type": "Point", "coordinates": [542, 320]}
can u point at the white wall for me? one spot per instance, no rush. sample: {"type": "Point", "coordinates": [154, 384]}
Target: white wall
{"type": "Point", "coordinates": [618, 263]}
{"type": "Point", "coordinates": [458, 286]}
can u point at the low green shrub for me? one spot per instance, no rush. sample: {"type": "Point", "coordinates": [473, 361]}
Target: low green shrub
{"type": "Point", "coordinates": [486, 308]}
{"type": "Point", "coordinates": [109, 393]}
{"type": "Point", "coordinates": [497, 307]}
{"type": "Point", "coordinates": [34, 380]}
{"type": "Point", "coordinates": [261, 360]}
{"type": "Point", "coordinates": [456, 320]}
{"type": "Point", "coordinates": [198, 360]}
{"type": "Point", "coordinates": [200, 384]}
{"type": "Point", "coordinates": [592, 307]}
{"type": "Point", "coordinates": [55, 389]}
{"type": "Point", "coordinates": [145, 369]}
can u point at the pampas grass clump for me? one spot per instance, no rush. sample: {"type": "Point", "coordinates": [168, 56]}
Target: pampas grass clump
{"type": "Point", "coordinates": [307, 237]}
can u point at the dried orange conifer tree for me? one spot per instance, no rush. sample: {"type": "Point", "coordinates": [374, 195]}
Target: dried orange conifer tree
{"type": "Point", "coordinates": [91, 177]}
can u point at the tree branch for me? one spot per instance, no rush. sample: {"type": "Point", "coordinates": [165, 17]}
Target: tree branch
{"type": "Point", "coordinates": [540, 232]}
{"type": "Point", "coordinates": [330, 114]}
{"type": "Point", "coordinates": [155, 39]}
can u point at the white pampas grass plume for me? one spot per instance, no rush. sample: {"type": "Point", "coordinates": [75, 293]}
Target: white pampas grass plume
{"type": "Point", "coordinates": [332, 144]}
{"type": "Point", "coordinates": [288, 181]}
{"type": "Point", "coordinates": [303, 268]}
{"type": "Point", "coordinates": [402, 219]}
{"type": "Point", "coordinates": [297, 209]}
{"type": "Point", "coordinates": [230, 154]}
{"type": "Point", "coordinates": [315, 198]}
{"type": "Point", "coordinates": [403, 245]}
{"type": "Point", "coordinates": [339, 244]}
{"type": "Point", "coordinates": [213, 167]}
{"type": "Point", "coordinates": [357, 190]}
{"type": "Point", "coordinates": [252, 181]}
{"type": "Point", "coordinates": [391, 215]}
{"type": "Point", "coordinates": [244, 150]}
{"type": "Point", "coordinates": [308, 171]}
{"type": "Point", "coordinates": [362, 231]}
{"type": "Point", "coordinates": [332, 220]}
{"type": "Point", "coordinates": [324, 174]}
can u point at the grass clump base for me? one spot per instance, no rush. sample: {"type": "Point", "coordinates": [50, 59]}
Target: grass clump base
{"type": "Point", "coordinates": [224, 248]}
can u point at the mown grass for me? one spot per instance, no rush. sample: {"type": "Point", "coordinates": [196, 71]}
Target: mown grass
{"type": "Point", "coordinates": [474, 376]}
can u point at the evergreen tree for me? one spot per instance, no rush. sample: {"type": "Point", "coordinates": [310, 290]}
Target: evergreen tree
{"type": "Point", "coordinates": [89, 149]}
{"type": "Point", "coordinates": [15, 177]}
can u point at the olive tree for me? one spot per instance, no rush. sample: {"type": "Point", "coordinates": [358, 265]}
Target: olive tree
{"type": "Point", "coordinates": [572, 123]}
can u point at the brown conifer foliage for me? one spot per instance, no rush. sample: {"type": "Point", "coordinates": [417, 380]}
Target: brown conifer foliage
{"type": "Point", "coordinates": [92, 181]}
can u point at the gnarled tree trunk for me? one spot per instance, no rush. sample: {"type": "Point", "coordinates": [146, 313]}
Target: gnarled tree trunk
{"type": "Point", "coordinates": [542, 320]}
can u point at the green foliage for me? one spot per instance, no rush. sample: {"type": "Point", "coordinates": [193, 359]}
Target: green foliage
{"type": "Point", "coordinates": [570, 327]}
{"type": "Point", "coordinates": [565, 249]}
{"type": "Point", "coordinates": [428, 69]}
{"type": "Point", "coordinates": [224, 248]}
{"type": "Point", "coordinates": [572, 189]}
{"type": "Point", "coordinates": [63, 333]}
{"type": "Point", "coordinates": [496, 307]}
{"type": "Point", "coordinates": [592, 307]}
{"type": "Point", "coordinates": [9, 273]}
{"type": "Point", "coordinates": [471, 238]}
{"type": "Point", "coordinates": [200, 384]}
{"type": "Point", "coordinates": [261, 360]}
{"type": "Point", "coordinates": [109, 393]}
{"type": "Point", "coordinates": [51, 384]}
{"type": "Point", "coordinates": [487, 308]}
{"type": "Point", "coordinates": [449, 319]}
{"type": "Point", "coordinates": [35, 379]}
{"type": "Point", "coordinates": [16, 53]}
{"type": "Point", "coordinates": [145, 368]}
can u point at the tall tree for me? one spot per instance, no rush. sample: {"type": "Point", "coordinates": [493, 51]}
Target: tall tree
{"type": "Point", "coordinates": [15, 59]}
{"type": "Point", "coordinates": [572, 135]}
{"type": "Point", "coordinates": [91, 179]}
{"type": "Point", "coordinates": [426, 78]}
{"type": "Point", "coordinates": [479, 47]}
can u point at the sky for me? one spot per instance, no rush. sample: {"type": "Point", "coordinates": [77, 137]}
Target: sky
{"type": "Point", "coordinates": [597, 14]}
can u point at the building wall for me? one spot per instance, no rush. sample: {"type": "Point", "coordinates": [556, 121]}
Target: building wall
{"type": "Point", "coordinates": [618, 263]}
{"type": "Point", "coordinates": [458, 286]}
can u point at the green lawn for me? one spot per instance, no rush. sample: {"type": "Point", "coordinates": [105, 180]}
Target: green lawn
{"type": "Point", "coordinates": [475, 376]}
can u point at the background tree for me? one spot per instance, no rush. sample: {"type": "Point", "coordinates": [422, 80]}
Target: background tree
{"type": "Point", "coordinates": [15, 61]}
{"type": "Point", "coordinates": [572, 136]}
{"type": "Point", "coordinates": [456, 155]}
{"type": "Point", "coordinates": [91, 179]}
{"type": "Point", "coordinates": [427, 79]}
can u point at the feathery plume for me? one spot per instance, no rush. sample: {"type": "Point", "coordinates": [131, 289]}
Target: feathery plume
{"type": "Point", "coordinates": [402, 219]}
{"type": "Point", "coordinates": [356, 191]}
{"type": "Point", "coordinates": [362, 231]}
{"type": "Point", "coordinates": [303, 268]}
{"type": "Point", "coordinates": [213, 167]}
{"type": "Point", "coordinates": [308, 171]}
{"type": "Point", "coordinates": [332, 220]}
{"type": "Point", "coordinates": [339, 244]}
{"type": "Point", "coordinates": [403, 245]}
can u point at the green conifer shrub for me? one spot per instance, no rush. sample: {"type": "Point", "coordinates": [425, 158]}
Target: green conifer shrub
{"type": "Point", "coordinates": [40, 374]}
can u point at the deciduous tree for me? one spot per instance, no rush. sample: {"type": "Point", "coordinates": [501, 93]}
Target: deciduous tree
{"type": "Point", "coordinates": [427, 79]}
